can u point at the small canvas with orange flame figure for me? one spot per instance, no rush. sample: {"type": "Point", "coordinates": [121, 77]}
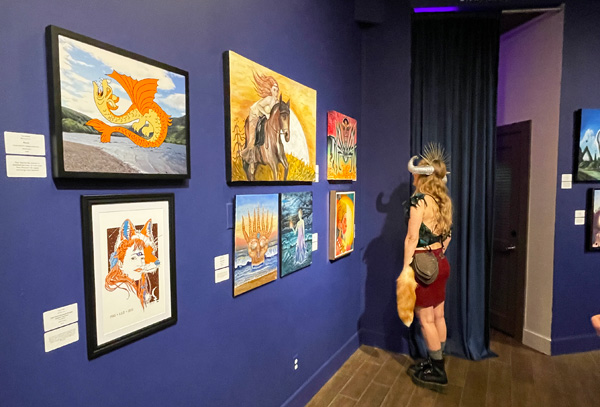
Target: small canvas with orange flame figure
{"type": "Point", "coordinates": [341, 223]}
{"type": "Point", "coordinates": [341, 147]}
{"type": "Point", "coordinates": [256, 248]}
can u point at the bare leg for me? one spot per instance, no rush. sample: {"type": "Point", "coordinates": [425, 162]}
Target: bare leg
{"type": "Point", "coordinates": [596, 323]}
{"type": "Point", "coordinates": [427, 320]}
{"type": "Point", "coordinates": [440, 321]}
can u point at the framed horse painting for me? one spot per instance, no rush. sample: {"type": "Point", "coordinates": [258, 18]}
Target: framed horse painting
{"type": "Point", "coordinates": [270, 124]}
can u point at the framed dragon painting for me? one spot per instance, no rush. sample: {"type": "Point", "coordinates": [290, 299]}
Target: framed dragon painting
{"type": "Point", "coordinates": [113, 113]}
{"type": "Point", "coordinates": [270, 124]}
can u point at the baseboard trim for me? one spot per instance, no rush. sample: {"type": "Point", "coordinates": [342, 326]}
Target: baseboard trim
{"type": "Point", "coordinates": [575, 344]}
{"type": "Point", "coordinates": [314, 383]}
{"type": "Point", "coordinates": [538, 342]}
{"type": "Point", "coordinates": [393, 342]}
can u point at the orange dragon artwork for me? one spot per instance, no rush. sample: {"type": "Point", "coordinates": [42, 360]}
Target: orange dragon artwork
{"type": "Point", "coordinates": [151, 118]}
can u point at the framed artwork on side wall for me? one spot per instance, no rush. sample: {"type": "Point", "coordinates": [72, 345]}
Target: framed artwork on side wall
{"type": "Point", "coordinates": [129, 255]}
{"type": "Point", "coordinates": [113, 113]}
{"type": "Point", "coordinates": [270, 124]}
{"type": "Point", "coordinates": [587, 156]}
{"type": "Point", "coordinates": [256, 242]}
{"type": "Point", "coordinates": [341, 147]}
{"type": "Point", "coordinates": [296, 231]}
{"type": "Point", "coordinates": [593, 220]}
{"type": "Point", "coordinates": [341, 223]}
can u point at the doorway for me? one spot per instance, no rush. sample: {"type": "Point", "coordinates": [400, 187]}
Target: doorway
{"type": "Point", "coordinates": [509, 249]}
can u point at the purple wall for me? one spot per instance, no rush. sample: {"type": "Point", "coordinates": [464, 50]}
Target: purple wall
{"type": "Point", "coordinates": [223, 351]}
{"type": "Point", "coordinates": [576, 272]}
{"type": "Point", "coordinates": [385, 150]}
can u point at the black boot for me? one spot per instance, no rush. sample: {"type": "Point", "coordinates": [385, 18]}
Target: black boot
{"type": "Point", "coordinates": [432, 377]}
{"type": "Point", "coordinates": [418, 365]}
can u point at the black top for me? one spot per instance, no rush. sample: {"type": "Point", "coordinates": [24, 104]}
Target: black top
{"type": "Point", "coordinates": [426, 236]}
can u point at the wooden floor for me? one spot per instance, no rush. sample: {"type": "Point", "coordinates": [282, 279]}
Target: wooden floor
{"type": "Point", "coordinates": [519, 376]}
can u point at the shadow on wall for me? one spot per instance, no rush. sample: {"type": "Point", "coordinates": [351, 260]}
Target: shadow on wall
{"type": "Point", "coordinates": [379, 325]}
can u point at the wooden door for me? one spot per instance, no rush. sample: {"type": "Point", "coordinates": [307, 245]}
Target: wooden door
{"type": "Point", "coordinates": [511, 201]}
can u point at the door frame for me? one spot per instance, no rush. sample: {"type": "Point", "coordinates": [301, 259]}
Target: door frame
{"type": "Point", "coordinates": [523, 127]}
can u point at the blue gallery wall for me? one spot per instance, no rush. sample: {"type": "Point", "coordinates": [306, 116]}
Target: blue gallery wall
{"type": "Point", "coordinates": [223, 351]}
{"type": "Point", "coordinates": [576, 272]}
{"type": "Point", "coordinates": [385, 151]}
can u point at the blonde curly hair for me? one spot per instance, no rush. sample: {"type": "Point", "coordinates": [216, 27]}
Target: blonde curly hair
{"type": "Point", "coordinates": [434, 185]}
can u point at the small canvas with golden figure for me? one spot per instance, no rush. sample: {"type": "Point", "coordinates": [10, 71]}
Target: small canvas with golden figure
{"type": "Point", "coordinates": [270, 124]}
{"type": "Point", "coordinates": [341, 223]}
{"type": "Point", "coordinates": [256, 248]}
{"type": "Point", "coordinates": [341, 147]}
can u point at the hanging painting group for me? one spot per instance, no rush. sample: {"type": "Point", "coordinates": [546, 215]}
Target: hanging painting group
{"type": "Point", "coordinates": [587, 169]}
{"type": "Point", "coordinates": [116, 115]}
{"type": "Point", "coordinates": [271, 230]}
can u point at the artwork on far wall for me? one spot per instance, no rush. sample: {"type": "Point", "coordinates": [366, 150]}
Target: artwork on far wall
{"type": "Point", "coordinates": [341, 223]}
{"type": "Point", "coordinates": [270, 124]}
{"type": "Point", "coordinates": [593, 215]}
{"type": "Point", "coordinates": [296, 231]}
{"type": "Point", "coordinates": [129, 255]}
{"type": "Point", "coordinates": [113, 113]}
{"type": "Point", "coordinates": [587, 158]}
{"type": "Point", "coordinates": [341, 147]}
{"type": "Point", "coordinates": [256, 248]}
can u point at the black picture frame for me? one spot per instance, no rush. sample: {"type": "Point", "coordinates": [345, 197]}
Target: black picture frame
{"type": "Point", "coordinates": [586, 153]}
{"type": "Point", "coordinates": [120, 232]}
{"type": "Point", "coordinates": [593, 220]}
{"type": "Point", "coordinates": [145, 130]}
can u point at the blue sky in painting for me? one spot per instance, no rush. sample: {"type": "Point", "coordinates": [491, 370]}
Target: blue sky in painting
{"type": "Point", "coordinates": [590, 125]}
{"type": "Point", "coordinates": [247, 203]}
{"type": "Point", "coordinates": [81, 64]}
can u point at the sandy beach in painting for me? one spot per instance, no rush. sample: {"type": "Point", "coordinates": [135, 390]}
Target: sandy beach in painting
{"type": "Point", "coordinates": [272, 276]}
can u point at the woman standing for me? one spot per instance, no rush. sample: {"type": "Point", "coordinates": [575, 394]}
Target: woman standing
{"type": "Point", "coordinates": [300, 242]}
{"type": "Point", "coordinates": [429, 214]}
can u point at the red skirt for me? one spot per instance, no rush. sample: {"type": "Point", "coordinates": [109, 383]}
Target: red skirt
{"type": "Point", "coordinates": [434, 293]}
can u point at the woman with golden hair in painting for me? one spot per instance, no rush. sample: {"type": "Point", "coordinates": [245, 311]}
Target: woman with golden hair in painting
{"type": "Point", "coordinates": [268, 89]}
{"type": "Point", "coordinates": [429, 212]}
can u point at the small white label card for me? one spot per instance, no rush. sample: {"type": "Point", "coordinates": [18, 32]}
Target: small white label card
{"type": "Point", "coordinates": [60, 317]}
{"type": "Point", "coordinates": [24, 143]}
{"type": "Point", "coordinates": [580, 221]}
{"type": "Point", "coordinates": [317, 173]}
{"type": "Point", "coordinates": [566, 185]}
{"type": "Point", "coordinates": [61, 337]}
{"type": "Point", "coordinates": [22, 166]}
{"type": "Point", "coordinates": [222, 274]}
{"type": "Point", "coordinates": [315, 242]}
{"type": "Point", "coordinates": [222, 261]}
{"type": "Point", "coordinates": [580, 213]}
{"type": "Point", "coordinates": [566, 181]}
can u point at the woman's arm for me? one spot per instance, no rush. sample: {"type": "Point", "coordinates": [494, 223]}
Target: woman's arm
{"type": "Point", "coordinates": [596, 323]}
{"type": "Point", "coordinates": [446, 243]}
{"type": "Point", "coordinates": [412, 233]}
{"type": "Point", "coordinates": [265, 105]}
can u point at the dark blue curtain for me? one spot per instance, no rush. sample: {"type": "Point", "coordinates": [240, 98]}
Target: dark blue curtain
{"type": "Point", "coordinates": [454, 85]}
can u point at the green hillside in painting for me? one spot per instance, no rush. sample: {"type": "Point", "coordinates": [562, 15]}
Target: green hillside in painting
{"type": "Point", "coordinates": [75, 122]}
